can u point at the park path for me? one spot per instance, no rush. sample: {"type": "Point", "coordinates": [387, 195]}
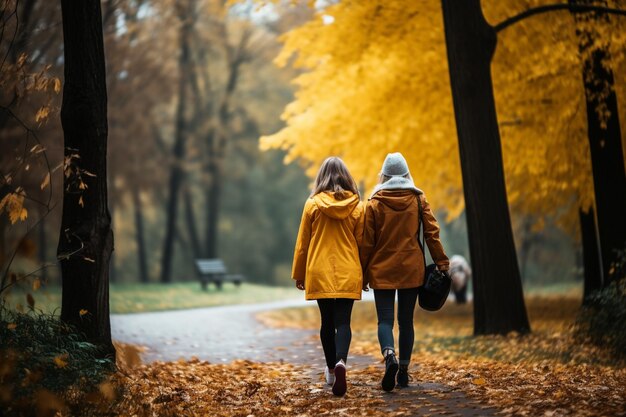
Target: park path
{"type": "Point", "coordinates": [215, 334]}
{"type": "Point", "coordinates": [226, 333]}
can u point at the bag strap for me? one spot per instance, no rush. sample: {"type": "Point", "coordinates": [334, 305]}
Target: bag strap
{"type": "Point", "coordinates": [420, 230]}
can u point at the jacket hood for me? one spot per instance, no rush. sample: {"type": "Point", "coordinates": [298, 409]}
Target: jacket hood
{"type": "Point", "coordinates": [397, 200]}
{"type": "Point", "coordinates": [336, 205]}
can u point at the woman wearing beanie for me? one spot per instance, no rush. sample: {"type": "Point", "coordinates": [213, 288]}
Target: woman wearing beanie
{"type": "Point", "coordinates": [393, 261]}
{"type": "Point", "coordinates": [326, 261]}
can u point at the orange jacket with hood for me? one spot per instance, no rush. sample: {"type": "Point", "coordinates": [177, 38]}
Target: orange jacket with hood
{"type": "Point", "coordinates": [326, 256]}
{"type": "Point", "coordinates": [390, 253]}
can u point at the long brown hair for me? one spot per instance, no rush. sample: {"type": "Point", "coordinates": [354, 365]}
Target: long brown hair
{"type": "Point", "coordinates": [334, 177]}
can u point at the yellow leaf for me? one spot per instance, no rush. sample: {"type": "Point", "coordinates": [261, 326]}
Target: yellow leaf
{"type": "Point", "coordinates": [479, 381]}
{"type": "Point", "coordinates": [57, 85]}
{"type": "Point", "coordinates": [45, 182]}
{"type": "Point", "coordinates": [13, 203]}
{"type": "Point", "coordinates": [61, 360]}
{"type": "Point", "coordinates": [11, 326]}
{"type": "Point", "coordinates": [42, 114]}
{"type": "Point", "coordinates": [23, 214]}
{"type": "Point", "coordinates": [107, 390]}
{"type": "Point", "coordinates": [22, 59]}
{"type": "Point", "coordinates": [82, 312]}
{"type": "Point", "coordinates": [80, 201]}
{"type": "Point", "coordinates": [36, 284]}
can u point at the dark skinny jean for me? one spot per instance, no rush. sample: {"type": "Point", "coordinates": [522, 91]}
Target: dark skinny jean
{"type": "Point", "coordinates": [385, 300]}
{"type": "Point", "coordinates": [335, 332]}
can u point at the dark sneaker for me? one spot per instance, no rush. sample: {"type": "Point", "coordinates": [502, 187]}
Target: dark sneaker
{"type": "Point", "coordinates": [391, 369]}
{"type": "Point", "coordinates": [403, 376]}
{"type": "Point", "coordinates": [340, 385]}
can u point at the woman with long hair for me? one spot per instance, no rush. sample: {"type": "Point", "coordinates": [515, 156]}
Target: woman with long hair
{"type": "Point", "coordinates": [326, 261]}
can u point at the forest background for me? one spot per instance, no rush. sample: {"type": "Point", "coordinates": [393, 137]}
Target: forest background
{"type": "Point", "coordinates": [201, 125]}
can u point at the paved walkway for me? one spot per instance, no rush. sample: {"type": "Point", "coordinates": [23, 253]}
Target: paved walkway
{"type": "Point", "coordinates": [223, 334]}
{"type": "Point", "coordinates": [215, 334]}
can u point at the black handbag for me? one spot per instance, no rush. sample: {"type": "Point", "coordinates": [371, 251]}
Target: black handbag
{"type": "Point", "coordinates": [436, 288]}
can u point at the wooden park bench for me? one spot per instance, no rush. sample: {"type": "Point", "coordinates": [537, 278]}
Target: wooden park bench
{"type": "Point", "coordinates": [214, 270]}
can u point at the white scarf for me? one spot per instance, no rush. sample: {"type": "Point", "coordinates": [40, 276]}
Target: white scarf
{"type": "Point", "coordinates": [397, 183]}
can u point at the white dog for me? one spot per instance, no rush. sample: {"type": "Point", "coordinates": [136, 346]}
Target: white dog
{"type": "Point", "coordinates": [461, 273]}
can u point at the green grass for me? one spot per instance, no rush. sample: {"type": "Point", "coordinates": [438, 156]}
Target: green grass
{"type": "Point", "coordinates": [137, 298]}
{"type": "Point", "coordinates": [572, 288]}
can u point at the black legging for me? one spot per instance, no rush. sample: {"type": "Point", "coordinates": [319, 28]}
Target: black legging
{"type": "Point", "coordinates": [385, 300]}
{"type": "Point", "coordinates": [335, 332]}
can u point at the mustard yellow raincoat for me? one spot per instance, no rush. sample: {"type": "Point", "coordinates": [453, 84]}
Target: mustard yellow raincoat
{"type": "Point", "coordinates": [326, 256]}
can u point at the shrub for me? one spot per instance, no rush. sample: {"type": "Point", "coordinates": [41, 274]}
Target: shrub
{"type": "Point", "coordinates": [40, 353]}
{"type": "Point", "coordinates": [603, 320]}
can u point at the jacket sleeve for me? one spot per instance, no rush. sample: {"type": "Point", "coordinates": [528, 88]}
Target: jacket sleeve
{"type": "Point", "coordinates": [298, 270]}
{"type": "Point", "coordinates": [431, 236]}
{"type": "Point", "coordinates": [369, 239]}
{"type": "Point", "coordinates": [358, 226]}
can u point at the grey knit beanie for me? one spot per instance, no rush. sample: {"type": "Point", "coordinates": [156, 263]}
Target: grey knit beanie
{"type": "Point", "coordinates": [395, 165]}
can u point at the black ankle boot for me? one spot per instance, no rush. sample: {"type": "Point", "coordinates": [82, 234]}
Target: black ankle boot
{"type": "Point", "coordinates": [391, 368]}
{"type": "Point", "coordinates": [403, 376]}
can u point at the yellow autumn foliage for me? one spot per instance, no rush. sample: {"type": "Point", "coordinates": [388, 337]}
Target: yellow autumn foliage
{"type": "Point", "coordinates": [13, 205]}
{"type": "Point", "coordinates": [366, 94]}
{"type": "Point", "coordinates": [377, 81]}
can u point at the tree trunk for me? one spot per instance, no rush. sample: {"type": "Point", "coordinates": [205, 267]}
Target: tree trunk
{"type": "Point", "coordinates": [217, 139]}
{"type": "Point", "coordinates": [177, 174]}
{"type": "Point", "coordinates": [42, 245]}
{"type": "Point", "coordinates": [498, 297]}
{"type": "Point", "coordinates": [213, 209]}
{"type": "Point", "coordinates": [192, 229]}
{"type": "Point", "coordinates": [144, 276]}
{"type": "Point", "coordinates": [86, 238]}
{"type": "Point", "coordinates": [591, 254]}
{"type": "Point", "coordinates": [605, 140]}
{"type": "Point", "coordinates": [113, 269]}
{"type": "Point", "coordinates": [208, 216]}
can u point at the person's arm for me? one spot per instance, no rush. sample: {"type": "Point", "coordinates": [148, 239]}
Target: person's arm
{"type": "Point", "coordinates": [298, 270]}
{"type": "Point", "coordinates": [369, 240]}
{"type": "Point", "coordinates": [431, 236]}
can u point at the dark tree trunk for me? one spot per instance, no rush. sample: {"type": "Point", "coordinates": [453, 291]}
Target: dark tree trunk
{"type": "Point", "coordinates": [192, 229]}
{"type": "Point", "coordinates": [591, 254]}
{"type": "Point", "coordinates": [86, 238]}
{"type": "Point", "coordinates": [177, 174]}
{"type": "Point", "coordinates": [605, 142]}
{"type": "Point", "coordinates": [113, 269]}
{"type": "Point", "coordinates": [140, 238]}
{"type": "Point", "coordinates": [42, 245]}
{"type": "Point", "coordinates": [213, 196]}
{"type": "Point", "coordinates": [218, 140]}
{"type": "Point", "coordinates": [113, 259]}
{"type": "Point", "coordinates": [208, 219]}
{"type": "Point", "coordinates": [498, 297]}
